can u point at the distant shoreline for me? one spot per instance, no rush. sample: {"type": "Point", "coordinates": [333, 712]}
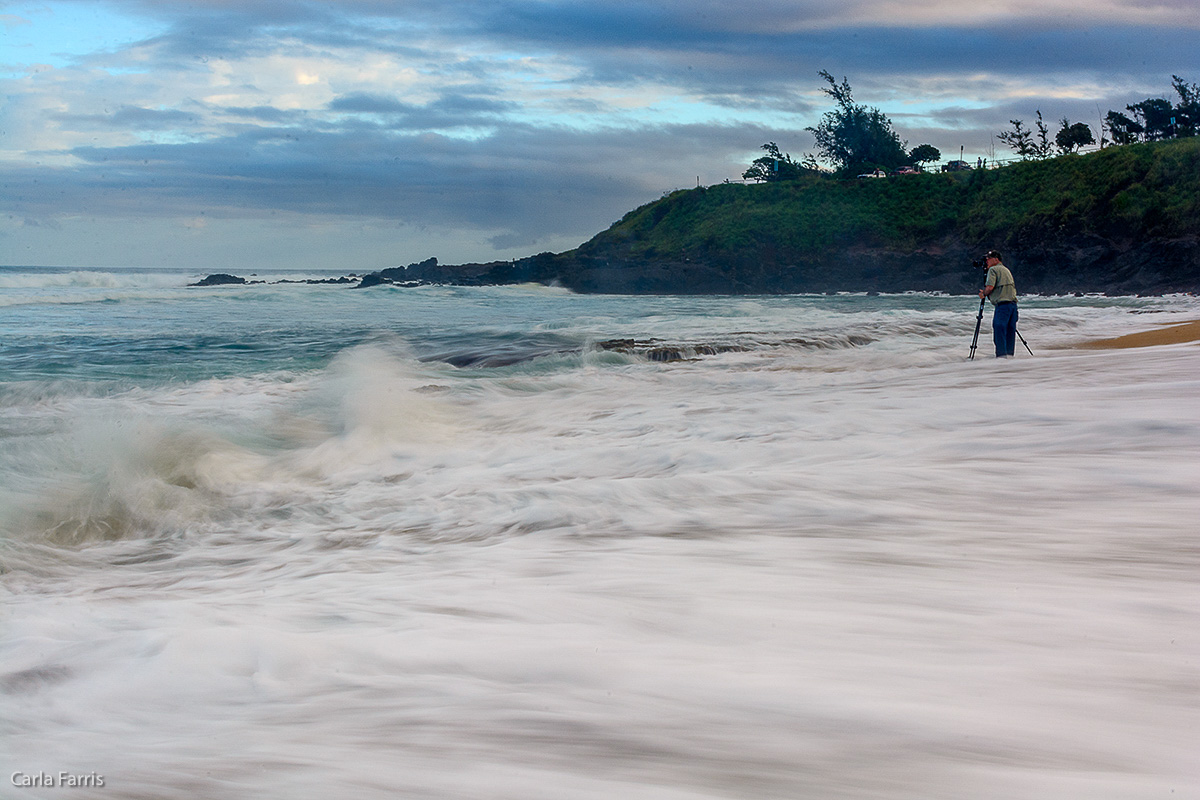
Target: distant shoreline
{"type": "Point", "coordinates": [368, 280]}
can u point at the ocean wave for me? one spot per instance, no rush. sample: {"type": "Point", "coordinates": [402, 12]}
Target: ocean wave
{"type": "Point", "coordinates": [172, 463]}
{"type": "Point", "coordinates": [88, 279]}
{"type": "Point", "coordinates": [500, 354]}
{"type": "Point", "coordinates": [490, 355]}
{"type": "Point", "coordinates": [304, 412]}
{"type": "Point", "coordinates": [145, 482]}
{"type": "Point", "coordinates": [83, 287]}
{"type": "Point", "coordinates": [660, 350]}
{"type": "Point", "coordinates": [813, 568]}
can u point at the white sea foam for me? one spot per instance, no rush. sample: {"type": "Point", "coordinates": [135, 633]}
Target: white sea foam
{"type": "Point", "coordinates": [82, 286]}
{"type": "Point", "coordinates": [872, 570]}
{"type": "Point", "coordinates": [83, 279]}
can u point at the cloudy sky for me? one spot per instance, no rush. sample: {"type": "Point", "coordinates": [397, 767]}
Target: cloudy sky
{"type": "Point", "coordinates": [225, 135]}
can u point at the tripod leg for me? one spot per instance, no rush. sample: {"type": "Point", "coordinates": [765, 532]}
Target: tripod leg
{"type": "Point", "coordinates": [978, 322]}
{"type": "Point", "coordinates": [1022, 338]}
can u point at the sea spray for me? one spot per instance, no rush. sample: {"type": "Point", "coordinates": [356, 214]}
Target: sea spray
{"type": "Point", "coordinates": [115, 478]}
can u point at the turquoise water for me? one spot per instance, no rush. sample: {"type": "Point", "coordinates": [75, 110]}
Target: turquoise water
{"type": "Point", "coordinates": [142, 325]}
{"type": "Point", "coordinates": [510, 542]}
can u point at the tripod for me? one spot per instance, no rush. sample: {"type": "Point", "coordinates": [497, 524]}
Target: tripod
{"type": "Point", "coordinates": [978, 322]}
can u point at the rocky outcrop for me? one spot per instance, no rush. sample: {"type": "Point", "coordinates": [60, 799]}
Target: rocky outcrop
{"type": "Point", "coordinates": [1120, 221]}
{"type": "Point", "coordinates": [1089, 263]}
{"type": "Point", "coordinates": [1052, 265]}
{"type": "Point", "coordinates": [374, 279]}
{"type": "Point", "coordinates": [220, 279]}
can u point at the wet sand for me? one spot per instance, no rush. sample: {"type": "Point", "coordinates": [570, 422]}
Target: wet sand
{"type": "Point", "coordinates": [1171, 334]}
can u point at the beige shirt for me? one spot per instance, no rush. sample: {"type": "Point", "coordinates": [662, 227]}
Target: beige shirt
{"type": "Point", "coordinates": [1002, 279]}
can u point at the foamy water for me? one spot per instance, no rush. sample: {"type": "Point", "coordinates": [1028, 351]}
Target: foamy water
{"type": "Point", "coordinates": [294, 541]}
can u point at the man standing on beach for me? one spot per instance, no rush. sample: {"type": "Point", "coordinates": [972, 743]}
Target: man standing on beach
{"type": "Point", "coordinates": [1000, 288]}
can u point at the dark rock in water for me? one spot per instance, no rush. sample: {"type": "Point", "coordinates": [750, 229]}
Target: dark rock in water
{"type": "Point", "coordinates": [220, 279]}
{"type": "Point", "coordinates": [654, 350]}
{"type": "Point", "coordinates": [426, 270]}
{"type": "Point", "coordinates": [374, 279]}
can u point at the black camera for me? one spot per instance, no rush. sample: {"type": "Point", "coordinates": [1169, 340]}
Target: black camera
{"type": "Point", "coordinates": [979, 262]}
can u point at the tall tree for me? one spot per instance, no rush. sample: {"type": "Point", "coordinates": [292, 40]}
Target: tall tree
{"type": "Point", "coordinates": [1071, 137]}
{"type": "Point", "coordinates": [1019, 139]}
{"type": "Point", "coordinates": [855, 138]}
{"type": "Point", "coordinates": [1122, 129]}
{"type": "Point", "coordinates": [924, 153]}
{"type": "Point", "coordinates": [1042, 147]}
{"type": "Point", "coordinates": [1187, 112]}
{"type": "Point", "coordinates": [1154, 115]}
{"type": "Point", "coordinates": [1156, 118]}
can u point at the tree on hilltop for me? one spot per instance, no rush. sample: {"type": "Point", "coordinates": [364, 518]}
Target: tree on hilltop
{"type": "Point", "coordinates": [1021, 140]}
{"type": "Point", "coordinates": [855, 138]}
{"type": "Point", "coordinates": [924, 153]}
{"type": "Point", "coordinates": [1072, 136]}
{"type": "Point", "coordinates": [1187, 113]}
{"type": "Point", "coordinates": [1041, 148]}
{"type": "Point", "coordinates": [777, 166]}
{"type": "Point", "coordinates": [1122, 129]}
{"type": "Point", "coordinates": [1156, 118]}
{"type": "Point", "coordinates": [1154, 115]}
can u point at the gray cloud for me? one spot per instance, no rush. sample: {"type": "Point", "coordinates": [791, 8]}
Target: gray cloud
{"type": "Point", "coordinates": [130, 117]}
{"type": "Point", "coordinates": [551, 153]}
{"type": "Point", "coordinates": [709, 46]}
{"type": "Point", "coordinates": [268, 114]}
{"type": "Point", "coordinates": [526, 181]}
{"type": "Point", "coordinates": [447, 111]}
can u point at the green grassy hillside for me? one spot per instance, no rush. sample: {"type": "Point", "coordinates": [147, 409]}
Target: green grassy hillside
{"type": "Point", "coordinates": [810, 215]}
{"type": "Point", "coordinates": [1146, 190]}
{"type": "Point", "coordinates": [1124, 218]}
{"type": "Point", "coordinates": [1136, 190]}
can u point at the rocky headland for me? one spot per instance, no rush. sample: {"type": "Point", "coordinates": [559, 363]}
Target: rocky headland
{"type": "Point", "coordinates": [1124, 220]}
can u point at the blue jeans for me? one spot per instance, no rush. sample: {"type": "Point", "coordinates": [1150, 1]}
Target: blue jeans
{"type": "Point", "coordinates": [1004, 329]}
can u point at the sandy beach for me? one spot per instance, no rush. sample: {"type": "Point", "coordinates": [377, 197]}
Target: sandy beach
{"type": "Point", "coordinates": [1169, 334]}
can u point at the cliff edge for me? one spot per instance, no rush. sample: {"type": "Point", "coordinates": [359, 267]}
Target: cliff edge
{"type": "Point", "coordinates": [1123, 220]}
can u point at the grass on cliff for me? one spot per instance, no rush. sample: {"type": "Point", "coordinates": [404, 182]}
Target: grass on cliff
{"type": "Point", "coordinates": [1145, 190]}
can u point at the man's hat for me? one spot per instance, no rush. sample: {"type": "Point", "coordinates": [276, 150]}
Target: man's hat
{"type": "Point", "coordinates": [993, 254]}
